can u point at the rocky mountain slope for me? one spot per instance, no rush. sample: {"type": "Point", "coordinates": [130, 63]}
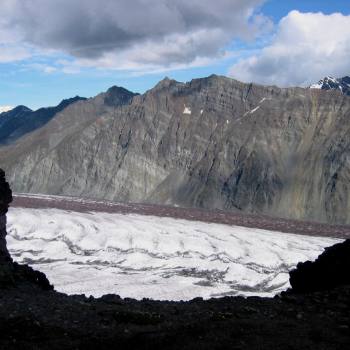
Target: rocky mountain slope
{"type": "Point", "coordinates": [22, 120]}
{"type": "Point", "coordinates": [212, 143]}
{"type": "Point", "coordinates": [329, 83]}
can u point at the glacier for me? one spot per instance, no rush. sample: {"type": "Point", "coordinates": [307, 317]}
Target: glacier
{"type": "Point", "coordinates": [162, 258]}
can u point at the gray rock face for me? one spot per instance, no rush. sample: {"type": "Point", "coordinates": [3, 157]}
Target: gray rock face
{"type": "Point", "coordinates": [213, 143]}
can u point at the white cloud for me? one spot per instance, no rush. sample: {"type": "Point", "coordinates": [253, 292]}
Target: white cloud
{"type": "Point", "coordinates": [172, 52]}
{"type": "Point", "coordinates": [5, 108]}
{"type": "Point", "coordinates": [42, 67]}
{"type": "Point", "coordinates": [13, 53]}
{"type": "Point", "coordinates": [306, 47]}
{"type": "Point", "coordinates": [133, 35]}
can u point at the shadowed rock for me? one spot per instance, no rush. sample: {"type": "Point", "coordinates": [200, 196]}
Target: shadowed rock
{"type": "Point", "coordinates": [331, 269]}
{"type": "Point", "coordinates": [118, 96]}
{"type": "Point", "coordinates": [5, 200]}
{"type": "Point", "coordinates": [13, 275]}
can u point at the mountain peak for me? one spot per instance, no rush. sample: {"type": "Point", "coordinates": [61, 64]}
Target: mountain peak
{"type": "Point", "coordinates": [330, 83]}
{"type": "Point", "coordinates": [116, 96]}
{"type": "Point", "coordinates": [66, 102]}
{"type": "Point", "coordinates": [117, 89]}
{"type": "Point", "coordinates": [21, 108]}
{"type": "Point", "coordinates": [164, 83]}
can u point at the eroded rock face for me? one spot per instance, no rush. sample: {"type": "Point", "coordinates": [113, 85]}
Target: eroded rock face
{"type": "Point", "coordinates": [5, 200]}
{"type": "Point", "coordinates": [212, 143]}
{"type": "Point", "coordinates": [331, 269]}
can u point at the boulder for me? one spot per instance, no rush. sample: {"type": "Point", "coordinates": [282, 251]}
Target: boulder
{"type": "Point", "coordinates": [331, 269]}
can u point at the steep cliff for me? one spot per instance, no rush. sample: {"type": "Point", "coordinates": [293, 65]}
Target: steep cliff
{"type": "Point", "coordinates": [212, 142]}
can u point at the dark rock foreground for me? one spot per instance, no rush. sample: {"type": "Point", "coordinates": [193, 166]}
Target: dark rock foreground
{"type": "Point", "coordinates": [34, 316]}
{"type": "Point", "coordinates": [331, 269]}
{"type": "Point", "coordinates": [5, 200]}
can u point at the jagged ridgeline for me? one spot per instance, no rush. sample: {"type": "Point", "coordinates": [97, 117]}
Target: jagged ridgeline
{"type": "Point", "coordinates": [212, 142]}
{"type": "Point", "coordinates": [22, 120]}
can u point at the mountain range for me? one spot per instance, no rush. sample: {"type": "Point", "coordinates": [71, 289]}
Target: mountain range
{"type": "Point", "coordinates": [22, 120]}
{"type": "Point", "coordinates": [214, 142]}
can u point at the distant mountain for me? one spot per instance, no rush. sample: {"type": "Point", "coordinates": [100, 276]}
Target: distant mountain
{"type": "Point", "coordinates": [329, 83]}
{"type": "Point", "coordinates": [22, 120]}
{"type": "Point", "coordinates": [12, 120]}
{"type": "Point", "coordinates": [5, 109]}
{"type": "Point", "coordinates": [212, 142]}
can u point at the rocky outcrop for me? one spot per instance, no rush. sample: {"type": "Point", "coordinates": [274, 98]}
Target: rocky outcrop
{"type": "Point", "coordinates": [210, 143]}
{"type": "Point", "coordinates": [331, 269]}
{"type": "Point", "coordinates": [5, 200]}
{"type": "Point", "coordinates": [13, 275]}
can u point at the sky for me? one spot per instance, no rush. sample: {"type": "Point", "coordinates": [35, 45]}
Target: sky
{"type": "Point", "coordinates": [51, 50]}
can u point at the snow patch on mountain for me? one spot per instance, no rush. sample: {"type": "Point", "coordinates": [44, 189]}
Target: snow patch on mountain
{"type": "Point", "coordinates": [254, 110]}
{"type": "Point", "coordinates": [187, 110]}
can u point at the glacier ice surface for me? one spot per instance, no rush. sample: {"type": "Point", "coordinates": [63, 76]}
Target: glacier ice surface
{"type": "Point", "coordinates": [160, 258]}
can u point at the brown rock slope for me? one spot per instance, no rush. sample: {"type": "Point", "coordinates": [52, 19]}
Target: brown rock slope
{"type": "Point", "coordinates": [212, 143]}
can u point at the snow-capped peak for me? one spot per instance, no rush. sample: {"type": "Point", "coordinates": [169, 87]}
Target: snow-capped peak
{"type": "Point", "coordinates": [330, 83]}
